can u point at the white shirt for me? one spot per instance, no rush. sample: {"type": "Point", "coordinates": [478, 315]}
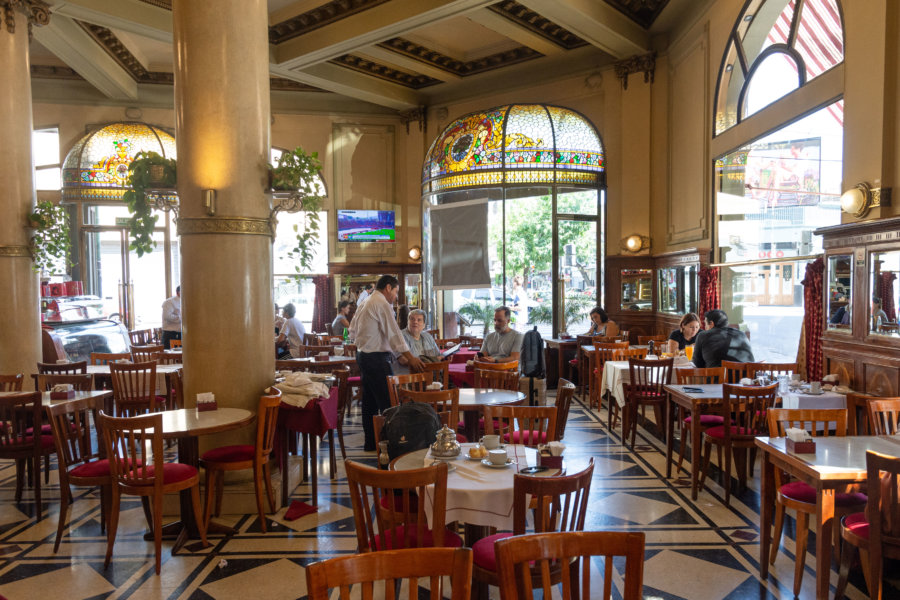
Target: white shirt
{"type": "Point", "coordinates": [171, 314]}
{"type": "Point", "coordinates": [363, 295]}
{"type": "Point", "coordinates": [293, 330]}
{"type": "Point", "coordinates": [374, 328]}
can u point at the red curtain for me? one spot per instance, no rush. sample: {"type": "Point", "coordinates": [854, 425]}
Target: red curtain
{"type": "Point", "coordinates": [710, 299]}
{"type": "Point", "coordinates": [322, 306]}
{"type": "Point", "coordinates": [813, 319]}
{"type": "Point", "coordinates": [886, 293]}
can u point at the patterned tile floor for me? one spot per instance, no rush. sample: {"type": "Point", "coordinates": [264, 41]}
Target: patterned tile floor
{"type": "Point", "coordinates": [695, 550]}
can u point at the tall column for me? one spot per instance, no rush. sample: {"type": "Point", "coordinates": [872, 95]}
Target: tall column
{"type": "Point", "coordinates": [222, 132]}
{"type": "Point", "coordinates": [20, 333]}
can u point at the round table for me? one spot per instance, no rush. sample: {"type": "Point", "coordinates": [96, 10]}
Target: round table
{"type": "Point", "coordinates": [472, 399]}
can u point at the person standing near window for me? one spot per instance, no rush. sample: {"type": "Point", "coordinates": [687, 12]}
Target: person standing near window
{"type": "Point", "coordinates": [292, 331]}
{"type": "Point", "coordinates": [171, 319]}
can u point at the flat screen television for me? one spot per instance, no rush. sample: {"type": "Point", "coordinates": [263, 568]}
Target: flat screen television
{"type": "Point", "coordinates": [365, 226]}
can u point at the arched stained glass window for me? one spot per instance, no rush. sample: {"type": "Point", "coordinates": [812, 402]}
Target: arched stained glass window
{"type": "Point", "coordinates": [96, 168]}
{"type": "Point", "coordinates": [784, 43]}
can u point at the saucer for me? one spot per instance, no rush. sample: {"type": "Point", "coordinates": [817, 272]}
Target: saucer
{"type": "Point", "coordinates": [810, 393]}
{"type": "Point", "coordinates": [486, 462]}
{"type": "Point", "coordinates": [450, 466]}
{"type": "Point", "coordinates": [468, 457]}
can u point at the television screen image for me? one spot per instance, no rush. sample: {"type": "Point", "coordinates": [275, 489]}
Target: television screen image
{"type": "Point", "coordinates": [365, 226]}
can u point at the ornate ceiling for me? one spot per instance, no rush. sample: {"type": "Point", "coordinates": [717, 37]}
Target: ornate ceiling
{"type": "Point", "coordinates": [404, 54]}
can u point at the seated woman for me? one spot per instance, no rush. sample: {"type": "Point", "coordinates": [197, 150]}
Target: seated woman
{"type": "Point", "coordinates": [341, 321]}
{"type": "Point", "coordinates": [420, 342]}
{"type": "Point", "coordinates": [601, 325]}
{"type": "Point", "coordinates": [686, 334]}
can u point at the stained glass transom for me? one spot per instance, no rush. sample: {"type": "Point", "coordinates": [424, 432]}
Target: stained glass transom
{"type": "Point", "coordinates": [516, 144]}
{"type": "Point", "coordinates": [96, 168]}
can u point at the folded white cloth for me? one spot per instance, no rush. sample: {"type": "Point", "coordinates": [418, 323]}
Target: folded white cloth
{"type": "Point", "coordinates": [299, 388]}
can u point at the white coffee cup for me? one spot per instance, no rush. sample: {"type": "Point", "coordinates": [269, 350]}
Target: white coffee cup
{"type": "Point", "coordinates": [436, 386]}
{"type": "Point", "coordinates": [815, 387]}
{"type": "Point", "coordinates": [338, 350]}
{"type": "Point", "coordinates": [497, 457]}
{"type": "Point", "coordinates": [490, 441]}
{"type": "Point", "coordinates": [797, 377]}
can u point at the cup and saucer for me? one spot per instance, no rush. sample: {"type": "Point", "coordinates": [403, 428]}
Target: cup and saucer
{"type": "Point", "coordinates": [487, 462]}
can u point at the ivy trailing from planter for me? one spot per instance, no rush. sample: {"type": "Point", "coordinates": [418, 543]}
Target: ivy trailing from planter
{"type": "Point", "coordinates": [148, 171]}
{"type": "Point", "coordinates": [50, 243]}
{"type": "Point", "coordinates": [298, 173]}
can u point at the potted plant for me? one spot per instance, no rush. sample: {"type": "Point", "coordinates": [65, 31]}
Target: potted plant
{"type": "Point", "coordinates": [50, 243]}
{"type": "Point", "coordinates": [479, 311]}
{"type": "Point", "coordinates": [148, 171]}
{"type": "Point", "coordinates": [297, 172]}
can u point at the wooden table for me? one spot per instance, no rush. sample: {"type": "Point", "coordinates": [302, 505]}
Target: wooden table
{"type": "Point", "coordinates": [695, 403]}
{"type": "Point", "coordinates": [561, 347]}
{"type": "Point", "coordinates": [472, 399]}
{"type": "Point", "coordinates": [838, 461]}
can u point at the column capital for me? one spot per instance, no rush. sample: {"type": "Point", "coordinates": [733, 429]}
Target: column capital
{"type": "Point", "coordinates": [36, 11]}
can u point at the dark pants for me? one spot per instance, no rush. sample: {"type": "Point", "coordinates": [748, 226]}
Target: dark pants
{"type": "Point", "coordinates": [374, 369]}
{"type": "Point", "coordinates": [168, 336]}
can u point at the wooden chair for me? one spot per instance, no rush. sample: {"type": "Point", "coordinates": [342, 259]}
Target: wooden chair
{"type": "Point", "coordinates": [624, 335]}
{"type": "Point", "coordinates": [80, 383]}
{"type": "Point", "coordinates": [801, 496]}
{"type": "Point", "coordinates": [743, 411]}
{"type": "Point", "coordinates": [175, 383]}
{"type": "Point", "coordinates": [492, 366]}
{"type": "Point", "coordinates": [620, 354]}
{"type": "Point", "coordinates": [884, 416]}
{"type": "Point", "coordinates": [644, 340]}
{"type": "Point", "coordinates": [246, 456]}
{"type": "Point", "coordinates": [525, 562]}
{"type": "Point", "coordinates": [498, 380]}
{"type": "Point", "coordinates": [313, 350]}
{"type": "Point", "coordinates": [447, 342]}
{"type": "Point", "coordinates": [559, 503]}
{"type": "Point", "coordinates": [576, 366]}
{"type": "Point", "coordinates": [603, 353]}
{"type": "Point", "coordinates": [78, 463]}
{"type": "Point", "coordinates": [528, 425]}
{"type": "Point", "coordinates": [735, 371]}
{"type": "Point", "coordinates": [68, 368]}
{"type": "Point", "coordinates": [564, 392]}
{"type": "Point", "coordinates": [645, 389]}
{"type": "Point", "coordinates": [350, 349]}
{"type": "Point", "coordinates": [441, 400]}
{"type": "Point", "coordinates": [134, 388]}
{"type": "Point", "coordinates": [858, 413]}
{"type": "Point", "coordinates": [364, 570]}
{"type": "Point", "coordinates": [435, 333]}
{"type": "Point", "coordinates": [103, 358]}
{"type": "Point", "coordinates": [146, 353]}
{"type": "Point", "coordinates": [141, 337]}
{"type": "Point", "coordinates": [342, 375]}
{"type": "Point", "coordinates": [875, 532]}
{"type": "Point", "coordinates": [20, 413]}
{"type": "Point", "coordinates": [773, 370]}
{"type": "Point", "coordinates": [135, 451]}
{"type": "Point", "coordinates": [401, 521]}
{"type": "Point", "coordinates": [11, 383]}
{"type": "Point", "coordinates": [409, 381]}
{"type": "Point", "coordinates": [696, 376]}
{"type": "Point", "coordinates": [440, 372]}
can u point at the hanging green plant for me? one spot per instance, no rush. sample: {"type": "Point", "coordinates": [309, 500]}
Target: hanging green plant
{"type": "Point", "coordinates": [50, 244]}
{"type": "Point", "coordinates": [298, 173]}
{"type": "Point", "coordinates": [148, 171]}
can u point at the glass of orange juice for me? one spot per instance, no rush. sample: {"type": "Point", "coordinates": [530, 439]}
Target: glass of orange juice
{"type": "Point", "coordinates": [689, 352]}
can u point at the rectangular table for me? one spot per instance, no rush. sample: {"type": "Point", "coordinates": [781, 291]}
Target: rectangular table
{"type": "Point", "coordinates": [695, 403]}
{"type": "Point", "coordinates": [562, 348]}
{"type": "Point", "coordinates": [838, 461]}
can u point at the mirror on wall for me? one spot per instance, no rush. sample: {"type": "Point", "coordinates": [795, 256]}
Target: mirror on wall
{"type": "Point", "coordinates": [676, 289]}
{"type": "Point", "coordinates": [884, 287]}
{"type": "Point", "coordinates": [637, 289]}
{"type": "Point", "coordinates": [840, 280]}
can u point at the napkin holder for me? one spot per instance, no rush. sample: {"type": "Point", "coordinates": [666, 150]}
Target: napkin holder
{"type": "Point", "coordinates": [799, 442]}
{"type": "Point", "coordinates": [546, 458]}
{"type": "Point", "coordinates": [321, 358]}
{"type": "Point", "coordinates": [62, 392]}
{"type": "Point", "coordinates": [206, 402]}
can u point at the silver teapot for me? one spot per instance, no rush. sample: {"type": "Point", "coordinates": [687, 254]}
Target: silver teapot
{"type": "Point", "coordinates": [445, 445]}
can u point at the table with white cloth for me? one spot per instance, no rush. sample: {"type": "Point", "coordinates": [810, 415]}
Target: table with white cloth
{"type": "Point", "coordinates": [813, 401]}
{"type": "Point", "coordinates": [103, 377]}
{"type": "Point", "coordinates": [616, 373]}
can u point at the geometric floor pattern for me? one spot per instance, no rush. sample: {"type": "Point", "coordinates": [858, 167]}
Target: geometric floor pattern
{"type": "Point", "coordinates": [696, 550]}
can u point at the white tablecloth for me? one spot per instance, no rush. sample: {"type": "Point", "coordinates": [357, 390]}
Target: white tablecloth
{"type": "Point", "coordinates": [812, 401]}
{"type": "Point", "coordinates": [616, 372]}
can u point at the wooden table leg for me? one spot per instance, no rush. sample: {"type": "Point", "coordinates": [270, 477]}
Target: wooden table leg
{"type": "Point", "coordinates": [696, 445]}
{"type": "Point", "coordinates": [314, 467]}
{"type": "Point", "coordinates": [767, 501]}
{"type": "Point", "coordinates": [670, 428]}
{"type": "Point", "coordinates": [825, 521]}
{"type": "Point", "coordinates": [284, 467]}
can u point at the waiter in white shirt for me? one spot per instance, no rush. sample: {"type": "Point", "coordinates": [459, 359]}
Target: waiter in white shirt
{"type": "Point", "coordinates": [377, 335]}
{"type": "Point", "coordinates": [171, 319]}
{"type": "Point", "coordinates": [364, 295]}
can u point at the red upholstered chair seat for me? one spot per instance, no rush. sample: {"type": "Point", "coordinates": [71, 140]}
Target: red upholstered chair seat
{"type": "Point", "coordinates": [451, 539]}
{"type": "Point", "coordinates": [574, 362]}
{"type": "Point", "coordinates": [707, 420]}
{"type": "Point", "coordinates": [46, 441]}
{"type": "Point", "coordinates": [226, 454]}
{"type": "Point", "coordinates": [497, 425]}
{"type": "Point", "coordinates": [173, 472]}
{"type": "Point", "coordinates": [162, 399]}
{"type": "Point", "coordinates": [483, 551]}
{"type": "Point", "coordinates": [803, 492]}
{"type": "Point", "coordinates": [857, 524]}
{"type": "Point", "coordinates": [719, 432]}
{"type": "Point", "coordinates": [47, 430]}
{"type": "Point", "coordinates": [94, 468]}
{"type": "Point", "coordinates": [461, 438]}
{"type": "Point", "coordinates": [355, 381]}
{"type": "Point", "coordinates": [525, 437]}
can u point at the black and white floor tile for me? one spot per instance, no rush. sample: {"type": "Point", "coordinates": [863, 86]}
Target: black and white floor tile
{"type": "Point", "coordinates": [696, 550]}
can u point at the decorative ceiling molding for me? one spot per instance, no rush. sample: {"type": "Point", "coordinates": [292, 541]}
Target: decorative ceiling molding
{"type": "Point", "coordinates": [644, 63]}
{"type": "Point", "coordinates": [54, 72]}
{"type": "Point", "coordinates": [527, 18]}
{"type": "Point", "coordinates": [123, 56]}
{"type": "Point", "coordinates": [385, 72]}
{"type": "Point", "coordinates": [166, 4]}
{"type": "Point", "coordinates": [318, 17]}
{"type": "Point", "coordinates": [458, 67]}
{"type": "Point", "coordinates": [35, 12]}
{"type": "Point", "coordinates": [642, 12]}
{"type": "Point", "coordinates": [289, 85]}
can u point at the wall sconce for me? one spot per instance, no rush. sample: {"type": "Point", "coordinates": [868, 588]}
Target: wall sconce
{"type": "Point", "coordinates": [860, 198]}
{"type": "Point", "coordinates": [415, 253]}
{"type": "Point", "coordinates": [635, 243]}
{"type": "Point", "coordinates": [209, 202]}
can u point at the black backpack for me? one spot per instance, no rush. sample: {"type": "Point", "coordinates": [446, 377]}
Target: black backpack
{"type": "Point", "coordinates": [532, 354]}
{"type": "Point", "coordinates": [408, 427]}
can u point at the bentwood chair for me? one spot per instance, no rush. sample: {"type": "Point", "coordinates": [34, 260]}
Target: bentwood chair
{"type": "Point", "coordinates": [500, 366]}
{"type": "Point", "coordinates": [696, 376]}
{"type": "Point", "coordinates": [245, 456]}
{"type": "Point", "coordinates": [20, 413]}
{"type": "Point", "coordinates": [134, 446]}
{"type": "Point", "coordinates": [80, 383]}
{"type": "Point", "coordinates": [559, 503]}
{"type": "Point", "coordinates": [589, 373]}
{"type": "Point", "coordinates": [401, 520]}
{"type": "Point", "coordinates": [440, 372]}
{"type": "Point", "coordinates": [141, 337]}
{"type": "Point", "coordinates": [884, 416]}
{"type": "Point", "coordinates": [801, 496]}
{"type": "Point", "coordinates": [528, 425]}
{"type": "Point", "coordinates": [743, 411]}
{"type": "Point", "coordinates": [134, 388]}
{"type": "Point", "coordinates": [526, 562]}
{"type": "Point", "coordinates": [11, 383]}
{"type": "Point", "coordinates": [431, 565]}
{"type": "Point", "coordinates": [603, 353]}
{"type": "Point", "coordinates": [342, 374]}
{"type": "Point", "coordinates": [146, 353]}
{"type": "Point", "coordinates": [440, 400]}
{"type": "Point", "coordinates": [564, 392]}
{"type": "Point", "coordinates": [648, 377]}
{"type": "Point", "coordinates": [643, 340]}
{"type": "Point", "coordinates": [735, 371]}
{"type": "Point", "coordinates": [875, 532]}
{"type": "Point", "coordinates": [408, 381]}
{"type": "Point", "coordinates": [66, 368]}
{"type": "Point", "coordinates": [497, 380]}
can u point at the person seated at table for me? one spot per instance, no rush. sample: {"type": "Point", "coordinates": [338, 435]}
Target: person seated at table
{"type": "Point", "coordinates": [879, 317]}
{"type": "Point", "coordinates": [720, 342]}
{"type": "Point", "coordinates": [686, 334]}
{"type": "Point", "coordinates": [601, 325]}
{"type": "Point", "coordinates": [341, 321]}
{"type": "Point", "coordinates": [292, 331]}
{"type": "Point", "coordinates": [504, 343]}
{"type": "Point", "coordinates": [420, 342]}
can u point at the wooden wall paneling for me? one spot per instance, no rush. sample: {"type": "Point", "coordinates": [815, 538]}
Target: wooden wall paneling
{"type": "Point", "coordinates": [881, 380]}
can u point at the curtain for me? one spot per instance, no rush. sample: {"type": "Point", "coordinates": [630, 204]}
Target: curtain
{"type": "Point", "coordinates": [886, 293]}
{"type": "Point", "coordinates": [813, 319]}
{"type": "Point", "coordinates": [322, 306]}
{"type": "Point", "coordinates": [710, 297]}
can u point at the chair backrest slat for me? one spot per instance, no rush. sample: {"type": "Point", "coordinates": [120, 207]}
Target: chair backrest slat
{"type": "Point", "coordinates": [441, 400]}
{"type": "Point", "coordinates": [818, 422]}
{"type": "Point", "coordinates": [70, 368]}
{"type": "Point", "coordinates": [497, 380]}
{"type": "Point", "coordinates": [565, 390]}
{"type": "Point", "coordinates": [699, 376]}
{"type": "Point", "coordinates": [409, 381]}
{"type": "Point", "coordinates": [134, 387]}
{"type": "Point", "coordinates": [11, 383]}
{"type": "Point", "coordinates": [528, 425]}
{"type": "Point", "coordinates": [884, 416]}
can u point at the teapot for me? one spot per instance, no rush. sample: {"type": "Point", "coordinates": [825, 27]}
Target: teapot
{"type": "Point", "coordinates": [445, 445]}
